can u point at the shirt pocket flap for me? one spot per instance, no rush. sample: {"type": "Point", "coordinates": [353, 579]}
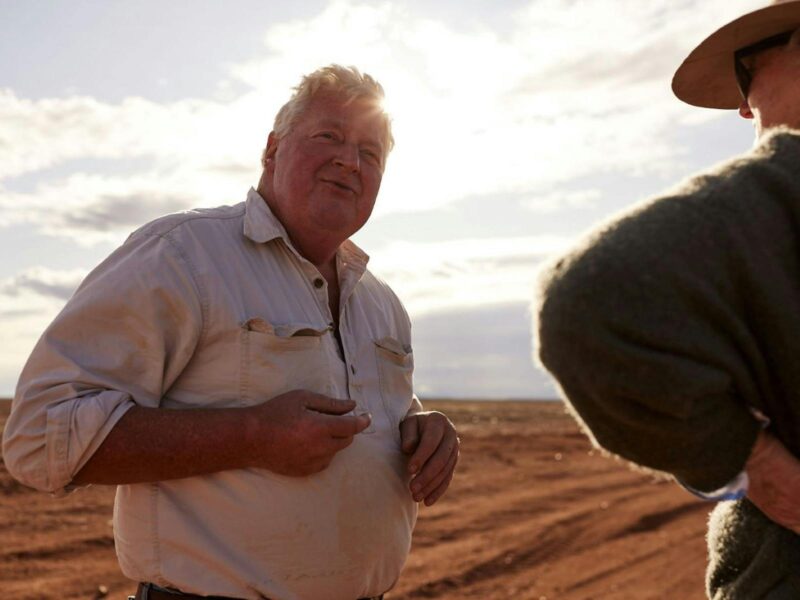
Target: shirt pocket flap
{"type": "Point", "coordinates": [288, 330]}
{"type": "Point", "coordinates": [393, 349]}
{"type": "Point", "coordinates": [300, 330]}
{"type": "Point", "coordinates": [289, 337]}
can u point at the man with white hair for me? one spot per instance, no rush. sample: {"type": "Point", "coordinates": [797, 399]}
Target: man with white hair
{"type": "Point", "coordinates": [246, 382]}
{"type": "Point", "coordinates": [674, 329]}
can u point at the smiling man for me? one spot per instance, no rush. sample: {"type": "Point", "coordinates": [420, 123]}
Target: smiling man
{"type": "Point", "coordinates": [674, 329]}
{"type": "Point", "coordinates": [246, 382]}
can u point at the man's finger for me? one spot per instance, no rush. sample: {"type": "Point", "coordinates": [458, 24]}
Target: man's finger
{"type": "Point", "coordinates": [431, 499]}
{"type": "Point", "coordinates": [339, 426]}
{"type": "Point", "coordinates": [435, 481]}
{"type": "Point", "coordinates": [327, 405]}
{"type": "Point", "coordinates": [434, 471]}
{"type": "Point", "coordinates": [430, 438]}
{"type": "Point", "coordinates": [409, 434]}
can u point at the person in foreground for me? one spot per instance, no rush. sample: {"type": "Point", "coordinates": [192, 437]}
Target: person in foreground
{"type": "Point", "coordinates": [674, 329]}
{"type": "Point", "coordinates": [246, 382]}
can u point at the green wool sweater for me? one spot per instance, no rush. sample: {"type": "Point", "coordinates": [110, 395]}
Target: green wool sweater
{"type": "Point", "coordinates": [665, 326]}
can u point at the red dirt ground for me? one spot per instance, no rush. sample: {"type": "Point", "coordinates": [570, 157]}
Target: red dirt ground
{"type": "Point", "coordinates": [533, 513]}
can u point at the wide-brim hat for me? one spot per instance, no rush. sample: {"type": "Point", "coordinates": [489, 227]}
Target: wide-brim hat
{"type": "Point", "coordinates": [707, 77]}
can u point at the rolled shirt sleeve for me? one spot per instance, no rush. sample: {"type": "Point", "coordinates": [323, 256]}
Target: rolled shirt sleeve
{"type": "Point", "coordinates": [121, 340]}
{"type": "Point", "coordinates": [668, 325]}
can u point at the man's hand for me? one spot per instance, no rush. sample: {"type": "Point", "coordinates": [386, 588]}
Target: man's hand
{"type": "Point", "coordinates": [298, 433]}
{"type": "Point", "coordinates": [431, 440]}
{"type": "Point", "coordinates": [774, 487]}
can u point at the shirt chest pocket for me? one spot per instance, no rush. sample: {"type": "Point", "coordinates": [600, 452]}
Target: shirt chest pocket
{"type": "Point", "coordinates": [279, 358]}
{"type": "Point", "coordinates": [395, 378]}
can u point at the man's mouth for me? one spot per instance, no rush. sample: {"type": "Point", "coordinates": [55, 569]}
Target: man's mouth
{"type": "Point", "coordinates": [340, 185]}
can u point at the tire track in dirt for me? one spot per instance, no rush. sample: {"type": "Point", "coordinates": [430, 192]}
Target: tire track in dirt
{"type": "Point", "coordinates": [59, 551]}
{"type": "Point", "coordinates": [563, 515]}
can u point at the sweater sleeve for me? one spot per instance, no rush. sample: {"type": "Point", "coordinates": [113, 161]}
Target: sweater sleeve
{"type": "Point", "coordinates": [655, 324]}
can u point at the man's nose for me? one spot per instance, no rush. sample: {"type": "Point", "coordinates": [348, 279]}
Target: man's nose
{"type": "Point", "coordinates": [347, 158]}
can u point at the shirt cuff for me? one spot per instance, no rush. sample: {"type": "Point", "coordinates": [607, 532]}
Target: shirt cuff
{"type": "Point", "coordinates": [75, 430]}
{"type": "Point", "coordinates": [736, 488]}
{"type": "Point", "coordinates": [733, 490]}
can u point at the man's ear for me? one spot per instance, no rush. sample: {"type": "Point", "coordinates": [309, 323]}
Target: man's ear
{"type": "Point", "coordinates": [272, 146]}
{"type": "Point", "coordinates": [744, 110]}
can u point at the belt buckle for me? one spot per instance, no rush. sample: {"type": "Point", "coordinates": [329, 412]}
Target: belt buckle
{"type": "Point", "coordinates": [142, 592]}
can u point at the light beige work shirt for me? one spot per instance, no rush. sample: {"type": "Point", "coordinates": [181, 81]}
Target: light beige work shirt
{"type": "Point", "coordinates": [215, 308]}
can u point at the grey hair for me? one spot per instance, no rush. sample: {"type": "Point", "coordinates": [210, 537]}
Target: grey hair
{"type": "Point", "coordinates": [347, 82]}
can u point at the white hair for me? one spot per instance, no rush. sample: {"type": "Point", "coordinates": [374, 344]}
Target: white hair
{"type": "Point", "coordinates": [347, 82]}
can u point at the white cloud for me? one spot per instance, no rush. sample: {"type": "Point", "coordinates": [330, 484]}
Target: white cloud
{"type": "Point", "coordinates": [477, 352]}
{"type": "Point", "coordinates": [38, 134]}
{"type": "Point", "coordinates": [570, 89]}
{"type": "Point", "coordinates": [95, 208]}
{"type": "Point", "coordinates": [435, 276]}
{"type": "Point", "coordinates": [573, 90]}
{"type": "Point", "coordinates": [42, 282]}
{"type": "Point", "coordinates": [28, 302]}
{"type": "Point", "coordinates": [551, 202]}
{"type": "Point", "coordinates": [203, 154]}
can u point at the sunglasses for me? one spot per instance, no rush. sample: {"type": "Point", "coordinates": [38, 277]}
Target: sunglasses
{"type": "Point", "coordinates": [744, 76]}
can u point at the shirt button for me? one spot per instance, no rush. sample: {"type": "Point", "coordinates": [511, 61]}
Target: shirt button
{"type": "Point", "coordinates": [318, 282]}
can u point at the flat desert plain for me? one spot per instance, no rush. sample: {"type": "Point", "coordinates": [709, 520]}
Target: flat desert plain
{"type": "Point", "coordinates": [533, 513]}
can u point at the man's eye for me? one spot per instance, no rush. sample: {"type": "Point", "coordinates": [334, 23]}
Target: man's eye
{"type": "Point", "coordinates": [371, 155]}
{"type": "Point", "coordinates": [328, 135]}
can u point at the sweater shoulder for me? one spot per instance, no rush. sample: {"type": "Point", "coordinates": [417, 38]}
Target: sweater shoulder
{"type": "Point", "coordinates": [748, 200]}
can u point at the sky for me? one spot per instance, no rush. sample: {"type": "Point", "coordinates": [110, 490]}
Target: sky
{"type": "Point", "coordinates": [519, 124]}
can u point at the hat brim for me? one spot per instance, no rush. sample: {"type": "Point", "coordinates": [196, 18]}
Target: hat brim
{"type": "Point", "coordinates": [707, 77]}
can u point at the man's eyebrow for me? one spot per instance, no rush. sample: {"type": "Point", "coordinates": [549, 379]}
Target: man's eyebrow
{"type": "Point", "coordinates": [374, 142]}
{"type": "Point", "coordinates": [338, 123]}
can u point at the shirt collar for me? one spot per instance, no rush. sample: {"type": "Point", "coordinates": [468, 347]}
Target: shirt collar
{"type": "Point", "coordinates": [262, 226]}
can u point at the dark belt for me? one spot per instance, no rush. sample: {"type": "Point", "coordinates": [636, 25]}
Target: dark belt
{"type": "Point", "coordinates": [147, 591]}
